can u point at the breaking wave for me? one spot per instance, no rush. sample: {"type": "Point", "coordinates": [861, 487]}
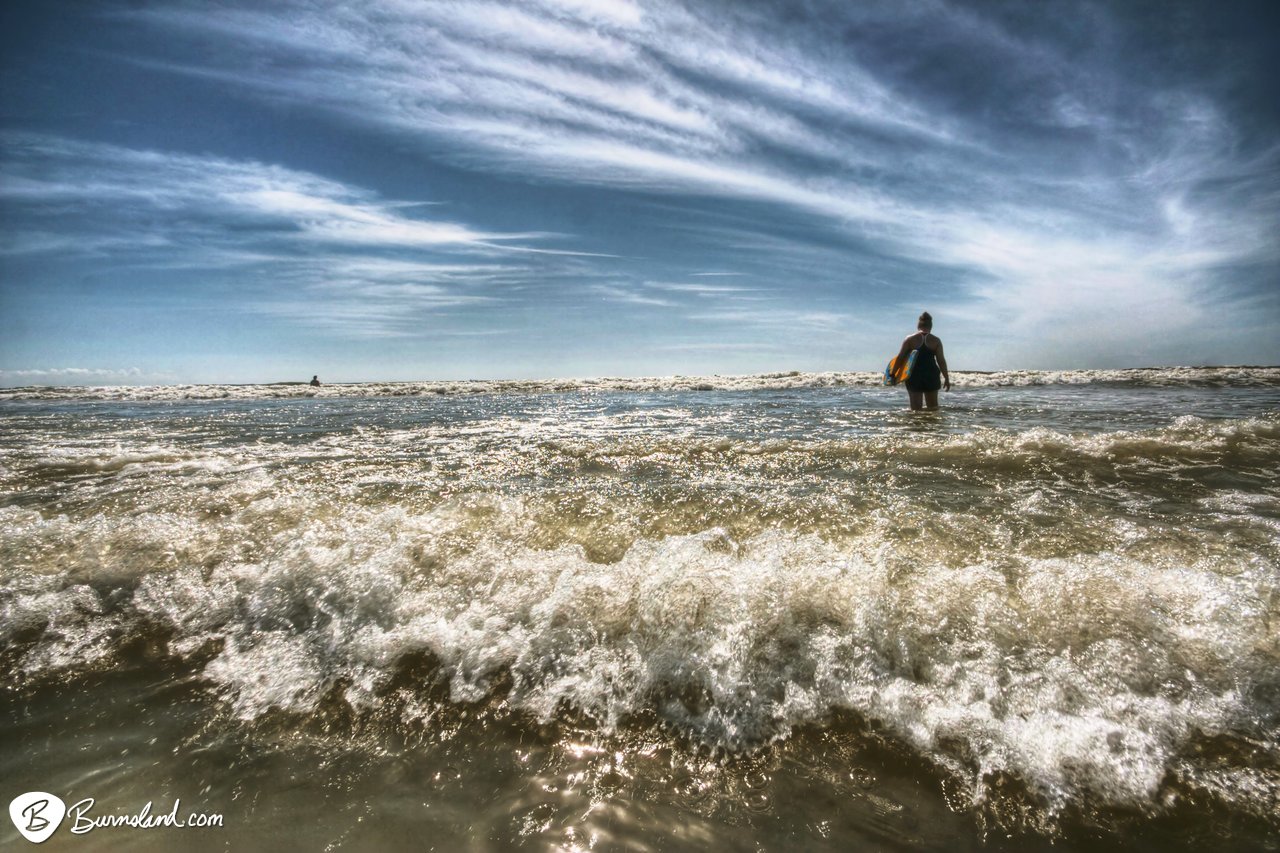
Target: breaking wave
{"type": "Point", "coordinates": [1038, 611]}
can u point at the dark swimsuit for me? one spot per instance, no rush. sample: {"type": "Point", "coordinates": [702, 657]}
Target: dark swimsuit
{"type": "Point", "coordinates": [925, 375]}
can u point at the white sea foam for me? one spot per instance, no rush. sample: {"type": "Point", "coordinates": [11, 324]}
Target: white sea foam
{"type": "Point", "coordinates": [1074, 609]}
{"type": "Point", "coordinates": [1084, 676]}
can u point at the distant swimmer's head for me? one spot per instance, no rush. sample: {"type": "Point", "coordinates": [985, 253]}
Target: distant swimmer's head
{"type": "Point", "coordinates": [925, 323]}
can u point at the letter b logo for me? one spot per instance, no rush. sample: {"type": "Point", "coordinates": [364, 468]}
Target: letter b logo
{"type": "Point", "coordinates": [37, 814]}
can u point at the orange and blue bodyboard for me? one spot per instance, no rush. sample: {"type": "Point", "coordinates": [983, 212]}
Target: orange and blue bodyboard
{"type": "Point", "coordinates": [900, 368]}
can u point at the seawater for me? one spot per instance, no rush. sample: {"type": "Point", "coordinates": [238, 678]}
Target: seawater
{"type": "Point", "coordinates": [776, 612]}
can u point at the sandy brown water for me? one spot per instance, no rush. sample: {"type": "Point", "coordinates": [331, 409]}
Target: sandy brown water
{"type": "Point", "coordinates": [749, 617]}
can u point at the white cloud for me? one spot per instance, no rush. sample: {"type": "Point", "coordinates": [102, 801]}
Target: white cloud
{"type": "Point", "coordinates": [325, 240]}
{"type": "Point", "coordinates": [51, 171]}
{"type": "Point", "coordinates": [79, 375]}
{"type": "Point", "coordinates": [677, 99]}
{"type": "Point", "coordinates": [721, 346]}
{"type": "Point", "coordinates": [614, 13]}
{"type": "Point", "coordinates": [73, 371]}
{"type": "Point", "coordinates": [613, 293]}
{"type": "Point", "coordinates": [786, 320]}
{"type": "Point", "coordinates": [698, 289]}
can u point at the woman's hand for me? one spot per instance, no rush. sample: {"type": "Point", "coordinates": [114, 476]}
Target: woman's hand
{"type": "Point", "coordinates": [946, 383]}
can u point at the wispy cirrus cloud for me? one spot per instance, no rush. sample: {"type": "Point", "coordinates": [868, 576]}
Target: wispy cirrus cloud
{"type": "Point", "coordinates": [356, 264]}
{"type": "Point", "coordinates": [660, 97]}
{"type": "Point", "coordinates": [699, 289]}
{"type": "Point", "coordinates": [1076, 172]}
{"type": "Point", "coordinates": [626, 295]}
{"type": "Point", "coordinates": [722, 346]}
{"type": "Point", "coordinates": [638, 173]}
{"type": "Point", "coordinates": [46, 174]}
{"type": "Point", "coordinates": [787, 321]}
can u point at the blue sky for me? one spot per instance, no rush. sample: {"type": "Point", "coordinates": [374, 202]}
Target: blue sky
{"type": "Point", "coordinates": [260, 191]}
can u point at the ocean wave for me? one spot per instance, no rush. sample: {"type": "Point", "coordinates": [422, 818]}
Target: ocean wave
{"type": "Point", "coordinates": [1078, 611]}
{"type": "Point", "coordinates": [1188, 437]}
{"type": "Point", "coordinates": [609, 480]}
{"type": "Point", "coordinates": [1089, 676]}
{"type": "Point", "coordinates": [1155, 377]}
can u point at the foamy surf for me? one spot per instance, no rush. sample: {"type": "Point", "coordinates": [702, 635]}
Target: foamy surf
{"type": "Point", "coordinates": [1059, 620]}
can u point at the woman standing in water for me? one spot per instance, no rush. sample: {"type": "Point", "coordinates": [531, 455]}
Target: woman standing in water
{"type": "Point", "coordinates": [930, 370]}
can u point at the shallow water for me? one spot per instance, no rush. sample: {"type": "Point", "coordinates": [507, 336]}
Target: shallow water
{"type": "Point", "coordinates": [770, 612]}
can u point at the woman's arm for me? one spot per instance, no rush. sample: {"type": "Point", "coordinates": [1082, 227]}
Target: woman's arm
{"type": "Point", "coordinates": [902, 353]}
{"type": "Point", "coordinates": [942, 365]}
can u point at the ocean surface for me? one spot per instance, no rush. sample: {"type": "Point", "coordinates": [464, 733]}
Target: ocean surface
{"type": "Point", "coordinates": [776, 612]}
